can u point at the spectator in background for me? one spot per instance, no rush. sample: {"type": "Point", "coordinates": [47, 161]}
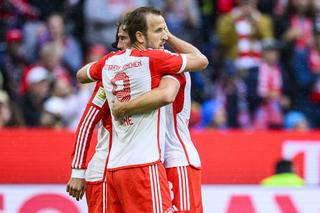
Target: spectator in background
{"type": "Point", "coordinates": [101, 16]}
{"type": "Point", "coordinates": [37, 91]}
{"type": "Point", "coordinates": [12, 63]}
{"type": "Point", "coordinates": [298, 23]}
{"type": "Point", "coordinates": [295, 120]}
{"type": "Point", "coordinates": [51, 116]}
{"type": "Point", "coordinates": [14, 13]}
{"type": "Point", "coordinates": [269, 88]}
{"type": "Point", "coordinates": [55, 33]}
{"type": "Point", "coordinates": [5, 111]}
{"type": "Point", "coordinates": [50, 59]}
{"type": "Point", "coordinates": [228, 107]}
{"type": "Point", "coordinates": [183, 18]}
{"type": "Point", "coordinates": [55, 114]}
{"type": "Point", "coordinates": [241, 32]}
{"type": "Point", "coordinates": [295, 29]}
{"type": "Point", "coordinates": [306, 67]}
{"type": "Point", "coordinates": [284, 176]}
{"type": "Point", "coordinates": [10, 114]}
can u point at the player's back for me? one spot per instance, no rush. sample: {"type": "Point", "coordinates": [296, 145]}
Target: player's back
{"type": "Point", "coordinates": [179, 149]}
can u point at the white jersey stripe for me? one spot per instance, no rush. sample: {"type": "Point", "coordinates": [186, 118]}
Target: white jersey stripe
{"type": "Point", "coordinates": [152, 190]}
{"type": "Point", "coordinates": [78, 139]}
{"type": "Point", "coordinates": [78, 142]}
{"type": "Point", "coordinates": [184, 189]}
{"type": "Point", "coordinates": [159, 188]}
{"type": "Point", "coordinates": [184, 63]}
{"type": "Point", "coordinates": [187, 187]}
{"type": "Point", "coordinates": [82, 136]}
{"type": "Point", "coordinates": [155, 188]}
{"type": "Point", "coordinates": [86, 136]}
{"type": "Point", "coordinates": [180, 187]}
{"type": "Point", "coordinates": [82, 129]}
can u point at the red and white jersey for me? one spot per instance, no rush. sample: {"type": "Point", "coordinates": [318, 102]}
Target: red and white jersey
{"type": "Point", "coordinates": [126, 75]}
{"type": "Point", "coordinates": [179, 149]}
{"type": "Point", "coordinates": [97, 111]}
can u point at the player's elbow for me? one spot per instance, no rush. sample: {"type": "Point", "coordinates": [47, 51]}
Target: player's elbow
{"type": "Point", "coordinates": [81, 77]}
{"type": "Point", "coordinates": [203, 62]}
{"type": "Point", "coordinates": [197, 62]}
{"type": "Point", "coordinates": [168, 97]}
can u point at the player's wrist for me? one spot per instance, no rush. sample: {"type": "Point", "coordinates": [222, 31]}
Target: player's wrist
{"type": "Point", "coordinates": [78, 173]}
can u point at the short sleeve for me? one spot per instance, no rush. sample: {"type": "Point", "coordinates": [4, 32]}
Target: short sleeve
{"type": "Point", "coordinates": [94, 71]}
{"type": "Point", "coordinates": [178, 77]}
{"type": "Point", "coordinates": [165, 62]}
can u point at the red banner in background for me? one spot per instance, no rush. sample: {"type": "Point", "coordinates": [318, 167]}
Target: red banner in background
{"type": "Point", "coordinates": [44, 156]}
{"type": "Point", "coordinates": [36, 155]}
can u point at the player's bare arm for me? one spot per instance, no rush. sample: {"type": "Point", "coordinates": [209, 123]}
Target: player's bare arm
{"type": "Point", "coordinates": [156, 98]}
{"type": "Point", "coordinates": [82, 75]}
{"type": "Point", "coordinates": [76, 187]}
{"type": "Point", "coordinates": [196, 61]}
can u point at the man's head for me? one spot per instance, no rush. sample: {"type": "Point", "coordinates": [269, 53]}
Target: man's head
{"type": "Point", "coordinates": [146, 28]}
{"type": "Point", "coordinates": [122, 38]}
{"type": "Point", "coordinates": [55, 24]}
{"type": "Point", "coordinates": [284, 166]}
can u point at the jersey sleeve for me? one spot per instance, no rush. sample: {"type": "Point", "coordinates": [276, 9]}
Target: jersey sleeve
{"type": "Point", "coordinates": [96, 108]}
{"type": "Point", "coordinates": [177, 77]}
{"type": "Point", "coordinates": [165, 62]}
{"type": "Point", "coordinates": [94, 71]}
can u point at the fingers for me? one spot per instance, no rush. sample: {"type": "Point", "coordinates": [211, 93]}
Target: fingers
{"type": "Point", "coordinates": [76, 193]}
{"type": "Point", "coordinates": [81, 194]}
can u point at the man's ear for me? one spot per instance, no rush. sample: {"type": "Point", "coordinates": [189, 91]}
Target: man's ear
{"type": "Point", "coordinates": [140, 37]}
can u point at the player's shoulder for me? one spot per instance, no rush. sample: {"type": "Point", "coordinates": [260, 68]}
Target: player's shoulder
{"type": "Point", "coordinates": [113, 53]}
{"type": "Point", "coordinates": [156, 53]}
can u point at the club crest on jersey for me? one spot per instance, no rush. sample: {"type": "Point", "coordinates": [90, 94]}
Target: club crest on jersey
{"type": "Point", "coordinates": [100, 98]}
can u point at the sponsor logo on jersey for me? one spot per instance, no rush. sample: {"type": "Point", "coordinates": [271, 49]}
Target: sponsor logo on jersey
{"type": "Point", "coordinates": [100, 98]}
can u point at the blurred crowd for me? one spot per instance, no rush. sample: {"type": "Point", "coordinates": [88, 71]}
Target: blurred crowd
{"type": "Point", "coordinates": [264, 70]}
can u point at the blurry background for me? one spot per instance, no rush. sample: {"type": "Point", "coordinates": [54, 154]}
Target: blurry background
{"type": "Point", "coordinates": [258, 101]}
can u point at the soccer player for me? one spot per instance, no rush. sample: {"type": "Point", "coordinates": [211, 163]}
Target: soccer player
{"type": "Point", "coordinates": [92, 180]}
{"type": "Point", "coordinates": [181, 158]}
{"type": "Point", "coordinates": [136, 178]}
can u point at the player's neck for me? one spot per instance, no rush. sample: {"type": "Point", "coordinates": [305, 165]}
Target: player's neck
{"type": "Point", "coordinates": [138, 46]}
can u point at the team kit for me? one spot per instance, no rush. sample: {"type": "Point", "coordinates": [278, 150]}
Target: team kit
{"type": "Point", "coordinates": [144, 160]}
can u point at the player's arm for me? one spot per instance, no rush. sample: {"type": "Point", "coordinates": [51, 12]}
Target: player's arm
{"type": "Point", "coordinates": [92, 71]}
{"type": "Point", "coordinates": [195, 60]}
{"type": "Point", "coordinates": [156, 98]}
{"type": "Point", "coordinates": [93, 113]}
{"type": "Point", "coordinates": [82, 74]}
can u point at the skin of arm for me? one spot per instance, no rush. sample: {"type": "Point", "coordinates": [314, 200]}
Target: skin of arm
{"type": "Point", "coordinates": [156, 98]}
{"type": "Point", "coordinates": [196, 61]}
{"type": "Point", "coordinates": [82, 75]}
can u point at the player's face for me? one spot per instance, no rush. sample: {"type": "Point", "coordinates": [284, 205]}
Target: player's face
{"type": "Point", "coordinates": [124, 40]}
{"type": "Point", "coordinates": [156, 33]}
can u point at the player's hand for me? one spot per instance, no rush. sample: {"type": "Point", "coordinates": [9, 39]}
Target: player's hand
{"type": "Point", "coordinates": [76, 187]}
{"type": "Point", "coordinates": [118, 109]}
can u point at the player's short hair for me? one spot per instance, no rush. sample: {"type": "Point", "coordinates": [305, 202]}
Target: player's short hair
{"type": "Point", "coordinates": [136, 21]}
{"type": "Point", "coordinates": [115, 44]}
{"type": "Point", "coordinates": [121, 23]}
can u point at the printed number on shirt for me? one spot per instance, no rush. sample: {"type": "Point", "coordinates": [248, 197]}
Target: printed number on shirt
{"type": "Point", "coordinates": [122, 92]}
